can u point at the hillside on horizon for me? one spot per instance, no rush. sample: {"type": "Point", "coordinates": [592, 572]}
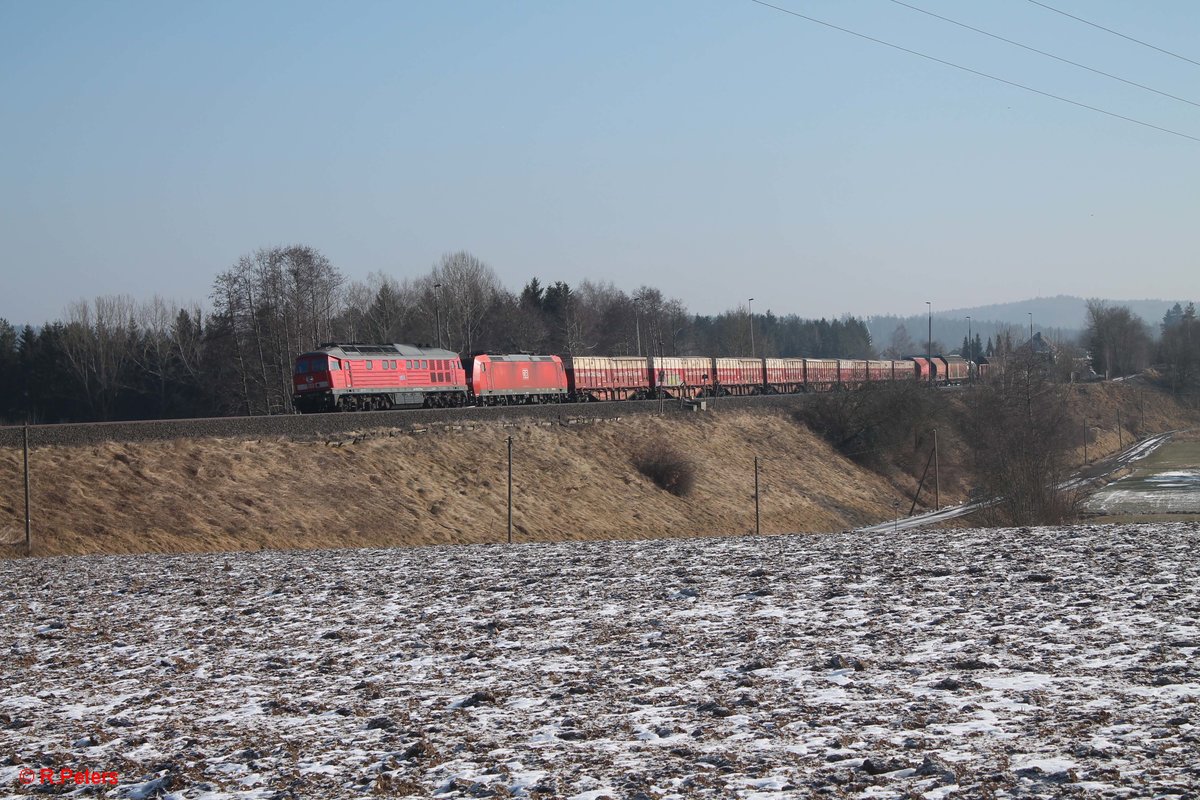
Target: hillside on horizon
{"type": "Point", "coordinates": [1060, 311]}
{"type": "Point", "coordinates": [1059, 318]}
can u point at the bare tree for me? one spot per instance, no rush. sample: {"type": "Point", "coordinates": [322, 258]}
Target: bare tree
{"type": "Point", "coordinates": [606, 319]}
{"type": "Point", "coordinates": [227, 298]}
{"type": "Point", "coordinates": [98, 340]}
{"type": "Point", "coordinates": [390, 312]}
{"type": "Point", "coordinates": [901, 344]}
{"type": "Point", "coordinates": [469, 287]}
{"type": "Point", "coordinates": [279, 302]}
{"type": "Point", "coordinates": [1118, 339]}
{"type": "Point", "coordinates": [153, 350]}
{"type": "Point", "coordinates": [1020, 432]}
{"type": "Point", "coordinates": [310, 288]}
{"type": "Point", "coordinates": [1180, 347]}
{"type": "Point", "coordinates": [186, 336]}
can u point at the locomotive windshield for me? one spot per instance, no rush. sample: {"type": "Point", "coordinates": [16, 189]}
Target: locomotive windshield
{"type": "Point", "coordinates": [317, 364]}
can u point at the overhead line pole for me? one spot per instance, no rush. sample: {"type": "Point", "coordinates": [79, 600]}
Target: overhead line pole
{"type": "Point", "coordinates": [929, 343]}
{"type": "Point", "coordinates": [750, 307]}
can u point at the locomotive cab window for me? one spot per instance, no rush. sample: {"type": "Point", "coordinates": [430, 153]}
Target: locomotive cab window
{"type": "Point", "coordinates": [334, 365]}
{"type": "Point", "coordinates": [302, 366]}
{"type": "Point", "coordinates": [370, 365]}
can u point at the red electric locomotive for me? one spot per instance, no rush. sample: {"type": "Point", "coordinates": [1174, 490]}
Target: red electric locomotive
{"type": "Point", "coordinates": [518, 379]}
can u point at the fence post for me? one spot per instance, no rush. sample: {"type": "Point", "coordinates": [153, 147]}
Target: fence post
{"type": "Point", "coordinates": [937, 476]}
{"type": "Point", "coordinates": [757, 526]}
{"type": "Point", "coordinates": [510, 490]}
{"type": "Point", "coordinates": [28, 538]}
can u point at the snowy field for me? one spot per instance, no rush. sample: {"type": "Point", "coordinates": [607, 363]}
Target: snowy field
{"type": "Point", "coordinates": [979, 663]}
{"type": "Point", "coordinates": [1164, 480]}
{"type": "Point", "coordinates": [1173, 492]}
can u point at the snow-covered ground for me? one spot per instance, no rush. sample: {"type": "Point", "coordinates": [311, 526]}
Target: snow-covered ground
{"type": "Point", "coordinates": [964, 663]}
{"type": "Point", "coordinates": [1173, 492]}
{"type": "Point", "coordinates": [1164, 480]}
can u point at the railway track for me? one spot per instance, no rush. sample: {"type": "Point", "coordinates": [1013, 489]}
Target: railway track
{"type": "Point", "coordinates": [310, 426]}
{"type": "Point", "coordinates": [1080, 480]}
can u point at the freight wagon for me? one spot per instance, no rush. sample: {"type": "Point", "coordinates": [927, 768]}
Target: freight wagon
{"type": "Point", "coordinates": [923, 369]}
{"type": "Point", "coordinates": [682, 377]}
{"type": "Point", "coordinates": [958, 369]}
{"type": "Point", "coordinates": [785, 375]}
{"type": "Point", "coordinates": [820, 374]}
{"type": "Point", "coordinates": [607, 378]}
{"type": "Point", "coordinates": [852, 373]}
{"type": "Point", "coordinates": [739, 376]}
{"type": "Point", "coordinates": [880, 371]}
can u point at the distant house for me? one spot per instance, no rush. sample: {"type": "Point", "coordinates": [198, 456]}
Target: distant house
{"type": "Point", "coordinates": [1040, 347]}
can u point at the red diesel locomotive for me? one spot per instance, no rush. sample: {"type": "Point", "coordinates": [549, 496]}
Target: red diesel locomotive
{"type": "Point", "coordinates": [376, 377]}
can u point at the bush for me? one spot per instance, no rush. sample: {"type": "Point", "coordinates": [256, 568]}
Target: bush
{"type": "Point", "coordinates": [1021, 433]}
{"type": "Point", "coordinates": [874, 424]}
{"type": "Point", "coordinates": [667, 467]}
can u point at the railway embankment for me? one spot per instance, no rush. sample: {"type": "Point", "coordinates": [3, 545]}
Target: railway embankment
{"type": "Point", "coordinates": [436, 480]}
{"type": "Point", "coordinates": [441, 477]}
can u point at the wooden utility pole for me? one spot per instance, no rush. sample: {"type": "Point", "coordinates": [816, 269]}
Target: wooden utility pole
{"type": "Point", "coordinates": [510, 490]}
{"type": "Point", "coordinates": [920, 485]}
{"type": "Point", "coordinates": [28, 539]}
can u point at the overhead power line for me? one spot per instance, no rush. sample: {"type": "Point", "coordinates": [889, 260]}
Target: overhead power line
{"type": "Point", "coordinates": [1047, 55]}
{"type": "Point", "coordinates": [1115, 33]}
{"type": "Point", "coordinates": [998, 79]}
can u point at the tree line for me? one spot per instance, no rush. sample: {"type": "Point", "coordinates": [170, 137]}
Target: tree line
{"type": "Point", "coordinates": [1121, 343]}
{"type": "Point", "coordinates": [115, 358]}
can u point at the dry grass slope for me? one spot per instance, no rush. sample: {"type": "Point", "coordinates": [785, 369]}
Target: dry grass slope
{"type": "Point", "coordinates": [389, 488]}
{"type": "Point", "coordinates": [570, 482]}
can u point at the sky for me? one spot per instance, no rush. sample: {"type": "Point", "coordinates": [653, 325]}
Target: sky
{"type": "Point", "coordinates": [716, 149]}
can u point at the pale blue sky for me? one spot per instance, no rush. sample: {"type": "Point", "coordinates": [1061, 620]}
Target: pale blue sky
{"type": "Point", "coordinates": [716, 149]}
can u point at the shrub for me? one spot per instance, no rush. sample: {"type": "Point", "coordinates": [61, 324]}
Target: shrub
{"type": "Point", "coordinates": [667, 467]}
{"type": "Point", "coordinates": [1021, 434]}
{"type": "Point", "coordinates": [873, 424]}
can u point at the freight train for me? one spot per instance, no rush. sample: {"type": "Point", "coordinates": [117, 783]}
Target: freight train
{"type": "Point", "coordinates": [366, 377]}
